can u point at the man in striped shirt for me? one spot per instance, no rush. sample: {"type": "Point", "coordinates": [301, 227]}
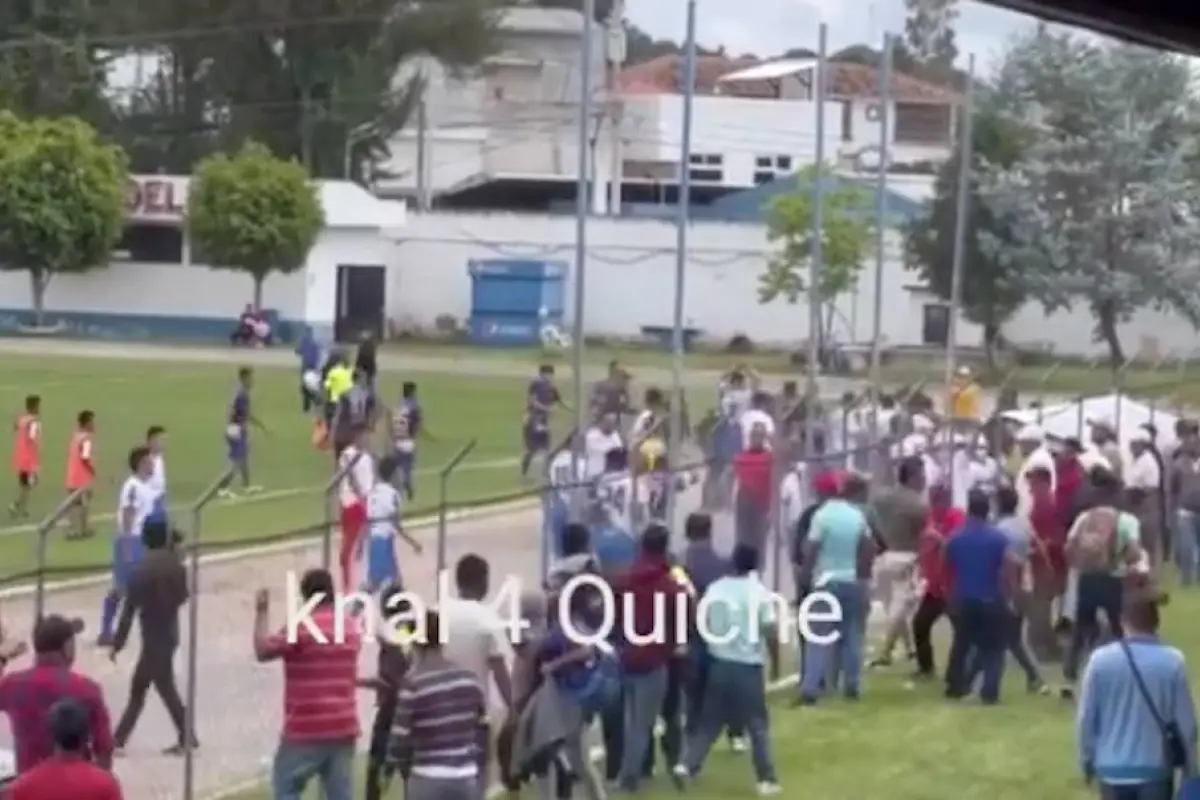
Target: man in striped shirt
{"type": "Point", "coordinates": [320, 682]}
{"type": "Point", "coordinates": [435, 734]}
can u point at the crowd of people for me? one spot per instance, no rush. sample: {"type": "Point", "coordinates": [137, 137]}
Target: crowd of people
{"type": "Point", "coordinates": [1045, 550]}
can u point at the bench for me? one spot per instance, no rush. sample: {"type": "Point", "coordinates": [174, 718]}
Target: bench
{"type": "Point", "coordinates": [664, 335]}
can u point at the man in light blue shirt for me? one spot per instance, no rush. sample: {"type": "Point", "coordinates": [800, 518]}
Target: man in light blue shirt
{"type": "Point", "coordinates": [738, 620]}
{"type": "Point", "coordinates": [1119, 733]}
{"type": "Point", "coordinates": [837, 564]}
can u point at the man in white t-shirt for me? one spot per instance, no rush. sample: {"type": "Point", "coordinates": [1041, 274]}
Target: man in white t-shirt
{"type": "Point", "coordinates": [1031, 440]}
{"type": "Point", "coordinates": [475, 638]}
{"type": "Point", "coordinates": [1144, 485]}
{"type": "Point", "coordinates": [600, 439]}
{"type": "Point", "coordinates": [134, 504]}
{"type": "Point", "coordinates": [358, 469]}
{"type": "Point", "coordinates": [755, 415]}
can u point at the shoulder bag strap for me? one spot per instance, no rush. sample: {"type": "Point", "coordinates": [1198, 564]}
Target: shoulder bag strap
{"type": "Point", "coordinates": [1143, 690]}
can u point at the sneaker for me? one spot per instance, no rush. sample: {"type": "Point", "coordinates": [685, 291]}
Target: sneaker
{"type": "Point", "coordinates": [769, 788]}
{"type": "Point", "coordinates": [1067, 692]}
{"type": "Point", "coordinates": [738, 744]}
{"type": "Point", "coordinates": [253, 489]}
{"type": "Point", "coordinates": [880, 663]}
{"type": "Point", "coordinates": [680, 776]}
{"type": "Point", "coordinates": [227, 494]}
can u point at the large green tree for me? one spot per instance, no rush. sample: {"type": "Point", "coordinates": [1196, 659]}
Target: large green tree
{"type": "Point", "coordinates": [255, 213]}
{"type": "Point", "coordinates": [846, 241]}
{"type": "Point", "coordinates": [62, 200]}
{"type": "Point", "coordinates": [992, 288]}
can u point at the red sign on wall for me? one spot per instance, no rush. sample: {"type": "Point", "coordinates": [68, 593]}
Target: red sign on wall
{"type": "Point", "coordinates": [154, 198]}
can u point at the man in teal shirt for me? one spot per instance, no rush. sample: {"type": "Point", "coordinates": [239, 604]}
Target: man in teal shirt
{"type": "Point", "coordinates": [738, 620]}
{"type": "Point", "coordinates": [837, 563]}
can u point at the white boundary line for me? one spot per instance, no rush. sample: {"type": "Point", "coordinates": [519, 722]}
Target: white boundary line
{"type": "Point", "coordinates": [280, 494]}
{"type": "Point", "coordinates": [493, 791]}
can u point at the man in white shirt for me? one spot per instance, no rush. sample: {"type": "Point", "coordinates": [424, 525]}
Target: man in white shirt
{"type": "Point", "coordinates": [1031, 440]}
{"type": "Point", "coordinates": [600, 439]}
{"type": "Point", "coordinates": [476, 638]}
{"type": "Point", "coordinates": [156, 441]}
{"type": "Point", "coordinates": [793, 496]}
{"type": "Point", "coordinates": [1144, 487]}
{"type": "Point", "coordinates": [757, 415]}
{"type": "Point", "coordinates": [134, 504]}
{"type": "Point", "coordinates": [357, 468]}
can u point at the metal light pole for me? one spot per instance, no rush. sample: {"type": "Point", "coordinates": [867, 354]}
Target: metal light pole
{"type": "Point", "coordinates": [812, 389]}
{"type": "Point", "coordinates": [961, 219]}
{"type": "Point", "coordinates": [682, 220]}
{"type": "Point", "coordinates": [881, 226]}
{"type": "Point", "coordinates": [582, 209]}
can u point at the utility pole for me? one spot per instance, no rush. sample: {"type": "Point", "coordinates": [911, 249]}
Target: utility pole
{"type": "Point", "coordinates": [615, 54]}
{"type": "Point", "coordinates": [423, 194]}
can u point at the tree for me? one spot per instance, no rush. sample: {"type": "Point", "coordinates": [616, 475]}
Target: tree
{"type": "Point", "coordinates": [846, 240]}
{"type": "Point", "coordinates": [255, 213]}
{"type": "Point", "coordinates": [1101, 205]}
{"type": "Point", "coordinates": [929, 38]}
{"type": "Point", "coordinates": [62, 200]}
{"type": "Point", "coordinates": [992, 289]}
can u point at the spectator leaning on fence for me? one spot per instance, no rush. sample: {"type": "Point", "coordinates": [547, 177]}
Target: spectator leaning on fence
{"type": "Point", "coordinates": [320, 678]}
{"type": "Point", "coordinates": [27, 696]}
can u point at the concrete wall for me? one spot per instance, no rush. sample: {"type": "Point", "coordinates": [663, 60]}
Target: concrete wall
{"type": "Point", "coordinates": [630, 282]}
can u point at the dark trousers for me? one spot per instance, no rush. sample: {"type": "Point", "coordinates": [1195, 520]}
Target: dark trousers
{"type": "Point", "coordinates": [929, 611]}
{"type": "Point", "coordinates": [695, 686]}
{"type": "Point", "coordinates": [1096, 592]}
{"type": "Point", "coordinates": [381, 731]}
{"type": "Point", "coordinates": [1015, 639]}
{"type": "Point", "coordinates": [978, 646]}
{"type": "Point", "coordinates": [1155, 790]}
{"type": "Point", "coordinates": [612, 732]}
{"type": "Point", "coordinates": [154, 667]}
{"type": "Point", "coordinates": [671, 740]}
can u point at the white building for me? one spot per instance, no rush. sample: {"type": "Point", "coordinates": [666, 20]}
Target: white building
{"type": "Point", "coordinates": [507, 136]}
{"type": "Point", "coordinates": [158, 287]}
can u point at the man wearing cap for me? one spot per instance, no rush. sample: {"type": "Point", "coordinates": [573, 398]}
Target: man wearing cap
{"type": "Point", "coordinates": [27, 696]}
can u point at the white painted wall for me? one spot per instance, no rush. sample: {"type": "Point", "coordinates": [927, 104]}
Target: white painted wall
{"type": "Point", "coordinates": [157, 289]}
{"type": "Point", "coordinates": [630, 283]}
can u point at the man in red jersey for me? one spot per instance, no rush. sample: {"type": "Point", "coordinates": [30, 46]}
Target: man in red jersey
{"type": "Point", "coordinates": [320, 678]}
{"type": "Point", "coordinates": [68, 774]}
{"type": "Point", "coordinates": [753, 469]}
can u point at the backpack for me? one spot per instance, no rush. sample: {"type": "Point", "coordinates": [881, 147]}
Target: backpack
{"type": "Point", "coordinates": [1096, 543]}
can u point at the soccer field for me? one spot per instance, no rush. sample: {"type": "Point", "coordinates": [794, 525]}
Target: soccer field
{"type": "Point", "coordinates": [190, 400]}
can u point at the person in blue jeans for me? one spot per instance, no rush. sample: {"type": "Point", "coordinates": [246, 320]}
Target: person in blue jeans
{"type": "Point", "coordinates": [739, 623]}
{"type": "Point", "coordinates": [837, 559]}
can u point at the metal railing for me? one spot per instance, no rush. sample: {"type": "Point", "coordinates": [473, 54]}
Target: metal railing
{"type": "Point", "coordinates": [444, 504]}
{"type": "Point", "coordinates": [42, 548]}
{"type": "Point", "coordinates": [191, 679]}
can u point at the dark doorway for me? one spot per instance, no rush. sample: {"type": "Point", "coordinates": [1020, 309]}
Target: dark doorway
{"type": "Point", "coordinates": [361, 292]}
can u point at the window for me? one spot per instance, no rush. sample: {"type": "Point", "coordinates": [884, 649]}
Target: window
{"type": "Point", "coordinates": [706, 175]}
{"type": "Point", "coordinates": [847, 121]}
{"type": "Point", "coordinates": [935, 324]}
{"type": "Point", "coordinates": [923, 123]}
{"type": "Point", "coordinates": [706, 159]}
{"type": "Point", "coordinates": [151, 244]}
{"type": "Point", "coordinates": [764, 176]}
{"type": "Point", "coordinates": [783, 163]}
{"type": "Point", "coordinates": [763, 162]}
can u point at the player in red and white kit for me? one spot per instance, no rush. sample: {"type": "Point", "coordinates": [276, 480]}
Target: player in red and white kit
{"type": "Point", "coordinates": [356, 463]}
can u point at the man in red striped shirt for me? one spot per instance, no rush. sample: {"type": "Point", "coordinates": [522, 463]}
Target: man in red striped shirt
{"type": "Point", "coordinates": [753, 468]}
{"type": "Point", "coordinates": [320, 679]}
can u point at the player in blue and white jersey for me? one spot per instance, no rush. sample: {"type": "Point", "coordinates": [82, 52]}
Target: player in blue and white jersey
{"type": "Point", "coordinates": [569, 482]}
{"type": "Point", "coordinates": [384, 507]}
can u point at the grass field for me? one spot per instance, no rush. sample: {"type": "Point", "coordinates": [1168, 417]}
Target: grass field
{"type": "Point", "coordinates": [906, 743]}
{"type": "Point", "coordinates": [190, 400]}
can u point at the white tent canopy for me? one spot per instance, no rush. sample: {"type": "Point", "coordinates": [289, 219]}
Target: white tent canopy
{"type": "Point", "coordinates": [1075, 419]}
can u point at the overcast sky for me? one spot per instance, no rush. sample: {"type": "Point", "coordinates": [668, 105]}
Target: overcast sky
{"type": "Point", "coordinates": [777, 25]}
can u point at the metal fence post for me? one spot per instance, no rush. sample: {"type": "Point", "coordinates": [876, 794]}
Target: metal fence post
{"type": "Point", "coordinates": [42, 552]}
{"type": "Point", "coordinates": [190, 680]}
{"type": "Point", "coordinates": [444, 504]}
{"type": "Point", "coordinates": [330, 518]}
{"type": "Point", "coordinates": [1119, 392]}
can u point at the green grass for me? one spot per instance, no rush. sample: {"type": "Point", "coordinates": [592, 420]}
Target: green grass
{"type": "Point", "coordinates": [190, 400]}
{"type": "Point", "coordinates": [910, 744]}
